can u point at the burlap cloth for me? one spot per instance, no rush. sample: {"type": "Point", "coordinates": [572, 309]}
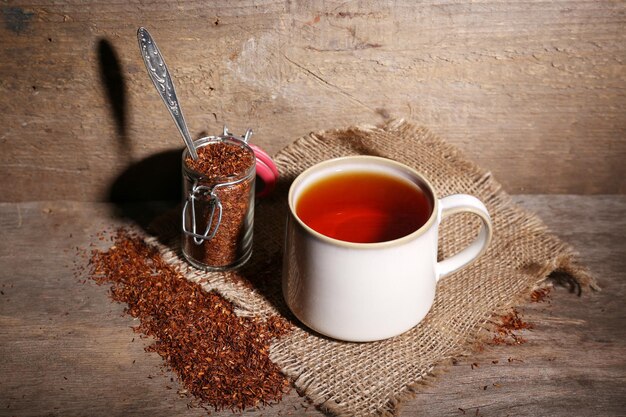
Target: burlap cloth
{"type": "Point", "coordinates": [373, 378]}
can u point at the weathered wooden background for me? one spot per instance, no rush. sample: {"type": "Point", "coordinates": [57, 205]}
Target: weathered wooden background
{"type": "Point", "coordinates": [534, 91]}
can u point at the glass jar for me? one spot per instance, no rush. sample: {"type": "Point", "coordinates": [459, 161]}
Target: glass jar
{"type": "Point", "coordinates": [218, 203]}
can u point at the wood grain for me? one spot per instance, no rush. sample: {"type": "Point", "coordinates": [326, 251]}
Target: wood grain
{"type": "Point", "coordinates": [534, 92]}
{"type": "Point", "coordinates": [67, 350]}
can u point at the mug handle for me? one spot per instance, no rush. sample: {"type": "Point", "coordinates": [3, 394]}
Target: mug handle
{"type": "Point", "coordinates": [459, 203]}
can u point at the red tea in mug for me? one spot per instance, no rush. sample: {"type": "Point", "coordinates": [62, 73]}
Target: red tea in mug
{"type": "Point", "coordinates": [363, 207]}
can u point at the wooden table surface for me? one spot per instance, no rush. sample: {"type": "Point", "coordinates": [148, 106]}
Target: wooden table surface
{"type": "Point", "coordinates": [522, 88]}
{"type": "Point", "coordinates": [67, 350]}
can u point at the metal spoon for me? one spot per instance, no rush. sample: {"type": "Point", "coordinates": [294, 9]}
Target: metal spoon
{"type": "Point", "coordinates": [160, 76]}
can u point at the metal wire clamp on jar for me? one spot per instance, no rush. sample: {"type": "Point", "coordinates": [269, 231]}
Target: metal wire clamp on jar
{"type": "Point", "coordinates": [218, 211]}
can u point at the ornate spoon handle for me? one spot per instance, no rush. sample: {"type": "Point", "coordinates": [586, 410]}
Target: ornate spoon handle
{"type": "Point", "coordinates": [160, 76]}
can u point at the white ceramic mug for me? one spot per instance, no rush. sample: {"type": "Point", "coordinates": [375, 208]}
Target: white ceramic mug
{"type": "Point", "coordinates": [370, 291]}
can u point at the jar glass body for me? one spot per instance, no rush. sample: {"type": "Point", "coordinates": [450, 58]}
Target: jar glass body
{"type": "Point", "coordinates": [218, 212]}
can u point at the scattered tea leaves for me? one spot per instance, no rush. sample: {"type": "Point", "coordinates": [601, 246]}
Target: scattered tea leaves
{"type": "Point", "coordinates": [219, 357]}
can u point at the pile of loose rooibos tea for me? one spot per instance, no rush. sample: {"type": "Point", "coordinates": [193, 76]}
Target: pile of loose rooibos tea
{"type": "Point", "coordinates": [220, 358]}
{"type": "Point", "coordinates": [219, 164]}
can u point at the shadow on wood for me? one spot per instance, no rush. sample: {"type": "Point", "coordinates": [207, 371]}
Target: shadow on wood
{"type": "Point", "coordinates": [156, 178]}
{"type": "Point", "coordinates": [112, 78]}
{"type": "Point", "coordinates": [565, 280]}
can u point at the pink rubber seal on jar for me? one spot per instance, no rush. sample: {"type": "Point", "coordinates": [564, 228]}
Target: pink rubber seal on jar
{"type": "Point", "coordinates": [266, 170]}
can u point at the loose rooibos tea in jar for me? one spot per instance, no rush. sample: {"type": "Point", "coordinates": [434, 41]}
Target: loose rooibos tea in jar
{"type": "Point", "coordinates": [218, 202]}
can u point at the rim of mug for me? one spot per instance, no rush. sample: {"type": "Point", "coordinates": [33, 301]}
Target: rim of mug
{"type": "Point", "coordinates": [372, 245]}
